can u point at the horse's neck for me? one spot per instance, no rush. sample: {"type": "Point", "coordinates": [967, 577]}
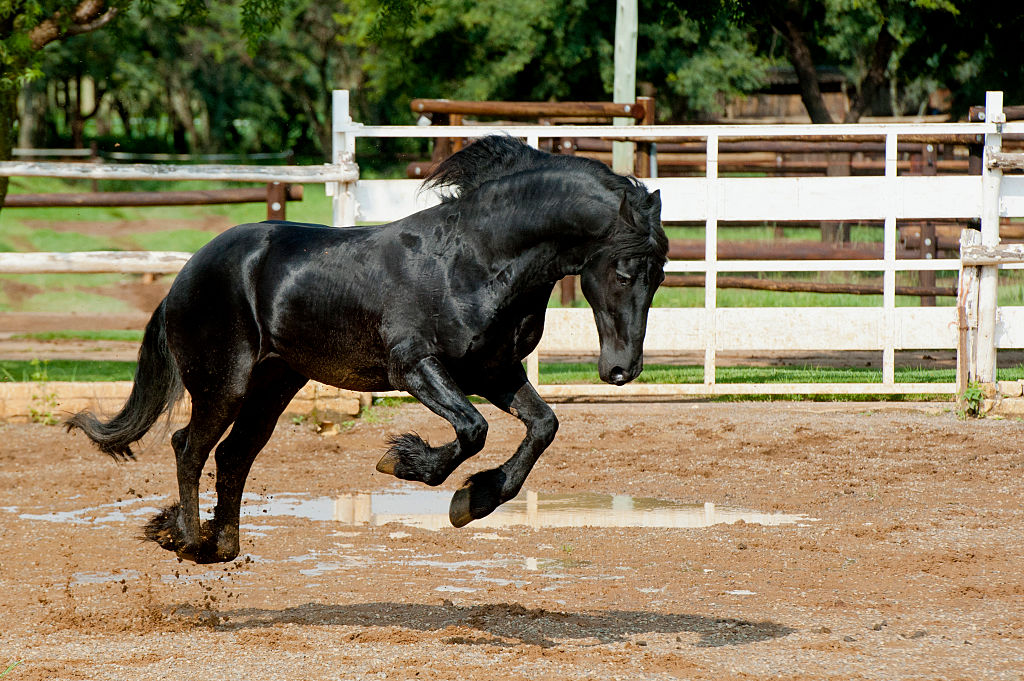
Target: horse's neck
{"type": "Point", "coordinates": [555, 242]}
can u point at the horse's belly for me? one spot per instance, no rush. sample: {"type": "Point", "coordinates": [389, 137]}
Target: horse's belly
{"type": "Point", "coordinates": [339, 367]}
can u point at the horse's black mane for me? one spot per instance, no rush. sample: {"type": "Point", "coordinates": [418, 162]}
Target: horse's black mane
{"type": "Point", "coordinates": [497, 156]}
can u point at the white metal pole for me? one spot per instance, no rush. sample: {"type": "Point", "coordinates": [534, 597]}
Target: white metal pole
{"type": "Point", "coordinates": [624, 86]}
{"type": "Point", "coordinates": [991, 180]}
{"type": "Point", "coordinates": [889, 256]}
{"type": "Point", "coordinates": [710, 328]}
{"type": "Point", "coordinates": [343, 151]}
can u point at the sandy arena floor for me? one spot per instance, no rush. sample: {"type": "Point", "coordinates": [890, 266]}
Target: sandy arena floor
{"type": "Point", "coordinates": [898, 556]}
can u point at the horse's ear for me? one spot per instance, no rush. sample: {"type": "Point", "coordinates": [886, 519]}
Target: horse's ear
{"type": "Point", "coordinates": [626, 212]}
{"type": "Point", "coordinates": [654, 202]}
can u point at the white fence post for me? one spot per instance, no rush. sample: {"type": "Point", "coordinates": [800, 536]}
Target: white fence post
{"type": "Point", "coordinates": [710, 327]}
{"type": "Point", "coordinates": [988, 285]}
{"type": "Point", "coordinates": [344, 151]}
{"type": "Point", "coordinates": [624, 83]}
{"type": "Point", "coordinates": [889, 257]}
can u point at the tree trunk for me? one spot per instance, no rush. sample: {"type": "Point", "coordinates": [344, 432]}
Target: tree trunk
{"type": "Point", "coordinates": [806, 72]}
{"type": "Point", "coordinates": [874, 79]}
{"type": "Point", "coordinates": [8, 117]}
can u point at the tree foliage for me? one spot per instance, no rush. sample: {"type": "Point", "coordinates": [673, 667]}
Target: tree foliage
{"type": "Point", "coordinates": [253, 75]}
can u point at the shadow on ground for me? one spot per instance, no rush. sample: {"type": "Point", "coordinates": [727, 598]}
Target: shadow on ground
{"type": "Point", "coordinates": [509, 623]}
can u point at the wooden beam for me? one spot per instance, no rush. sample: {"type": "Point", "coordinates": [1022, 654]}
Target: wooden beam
{"type": "Point", "coordinates": [980, 255]}
{"type": "Point", "coordinates": [175, 198]}
{"type": "Point", "coordinates": [1001, 160]}
{"type": "Point", "coordinates": [796, 286]}
{"type": "Point", "coordinates": [93, 262]}
{"type": "Point", "coordinates": [340, 172]}
{"type": "Point", "coordinates": [529, 109]}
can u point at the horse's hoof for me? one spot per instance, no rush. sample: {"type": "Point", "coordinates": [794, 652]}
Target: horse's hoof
{"type": "Point", "coordinates": [190, 553]}
{"type": "Point", "coordinates": [458, 511]}
{"type": "Point", "coordinates": [388, 462]}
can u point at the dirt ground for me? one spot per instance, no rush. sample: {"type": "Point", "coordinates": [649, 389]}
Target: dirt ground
{"type": "Point", "coordinates": [903, 562]}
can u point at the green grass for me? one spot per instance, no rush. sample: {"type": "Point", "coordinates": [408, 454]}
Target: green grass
{"type": "Point", "coordinates": [92, 370]}
{"type": "Point", "coordinates": [663, 373]}
{"type": "Point", "coordinates": [9, 668]}
{"type": "Point", "coordinates": [65, 242]}
{"type": "Point", "coordinates": [80, 302]}
{"type": "Point", "coordinates": [858, 233]}
{"type": "Point", "coordinates": [21, 371]}
{"type": "Point", "coordinates": [189, 240]}
{"type": "Point", "coordinates": [107, 335]}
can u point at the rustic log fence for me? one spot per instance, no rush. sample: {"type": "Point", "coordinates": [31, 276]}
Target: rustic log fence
{"type": "Point", "coordinates": [276, 194]}
{"type": "Point", "coordinates": [282, 183]}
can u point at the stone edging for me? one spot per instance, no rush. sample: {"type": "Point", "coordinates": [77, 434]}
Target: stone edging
{"type": "Point", "coordinates": [56, 400]}
{"type": "Point", "coordinates": [1003, 398]}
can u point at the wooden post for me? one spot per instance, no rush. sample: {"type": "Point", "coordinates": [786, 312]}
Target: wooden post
{"type": "Point", "coordinates": [642, 167]}
{"type": "Point", "coordinates": [457, 142]}
{"type": "Point", "coordinates": [442, 145]}
{"type": "Point", "coordinates": [967, 316]}
{"type": "Point", "coordinates": [929, 248]}
{"type": "Point", "coordinates": [567, 290]}
{"type": "Point", "coordinates": [276, 199]}
{"type": "Point", "coordinates": [833, 231]}
{"type": "Point", "coordinates": [94, 157]}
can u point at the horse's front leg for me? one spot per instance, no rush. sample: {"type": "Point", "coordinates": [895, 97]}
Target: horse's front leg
{"type": "Point", "coordinates": [485, 491]}
{"type": "Point", "coordinates": [410, 457]}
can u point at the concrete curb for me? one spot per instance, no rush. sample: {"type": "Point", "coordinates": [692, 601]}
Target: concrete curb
{"type": "Point", "coordinates": [54, 401]}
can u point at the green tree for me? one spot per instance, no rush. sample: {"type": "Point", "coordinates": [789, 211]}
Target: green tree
{"type": "Point", "coordinates": [892, 52]}
{"type": "Point", "coordinates": [26, 27]}
{"type": "Point", "coordinates": [545, 50]}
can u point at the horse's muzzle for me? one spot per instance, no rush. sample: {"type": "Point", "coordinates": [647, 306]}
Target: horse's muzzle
{"type": "Point", "coordinates": [620, 376]}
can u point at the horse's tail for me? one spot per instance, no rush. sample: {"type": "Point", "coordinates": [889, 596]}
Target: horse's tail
{"type": "Point", "coordinates": [157, 388]}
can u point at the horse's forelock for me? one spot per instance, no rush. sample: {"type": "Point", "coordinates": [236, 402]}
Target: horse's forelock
{"type": "Point", "coordinates": [645, 238]}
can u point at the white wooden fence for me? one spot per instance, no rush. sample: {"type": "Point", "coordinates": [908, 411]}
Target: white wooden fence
{"type": "Point", "coordinates": [711, 199]}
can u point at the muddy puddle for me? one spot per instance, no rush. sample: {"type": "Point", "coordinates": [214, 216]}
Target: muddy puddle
{"type": "Point", "coordinates": [428, 510]}
{"type": "Point", "coordinates": [424, 509]}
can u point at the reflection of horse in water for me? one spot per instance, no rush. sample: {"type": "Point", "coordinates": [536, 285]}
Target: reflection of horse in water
{"type": "Point", "coordinates": [444, 303]}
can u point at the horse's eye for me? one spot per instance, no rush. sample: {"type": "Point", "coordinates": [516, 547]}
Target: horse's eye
{"type": "Point", "coordinates": [623, 277]}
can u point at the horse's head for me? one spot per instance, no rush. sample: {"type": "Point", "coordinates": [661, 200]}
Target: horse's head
{"type": "Point", "coordinates": [619, 282]}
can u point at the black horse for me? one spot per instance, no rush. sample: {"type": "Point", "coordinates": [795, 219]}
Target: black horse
{"type": "Point", "coordinates": [444, 303]}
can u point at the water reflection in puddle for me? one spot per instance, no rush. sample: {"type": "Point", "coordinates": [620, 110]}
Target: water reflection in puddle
{"type": "Point", "coordinates": [428, 509]}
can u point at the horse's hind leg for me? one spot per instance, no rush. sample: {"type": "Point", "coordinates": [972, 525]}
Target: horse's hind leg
{"type": "Point", "coordinates": [272, 387]}
{"type": "Point", "coordinates": [177, 528]}
{"type": "Point", "coordinates": [485, 491]}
